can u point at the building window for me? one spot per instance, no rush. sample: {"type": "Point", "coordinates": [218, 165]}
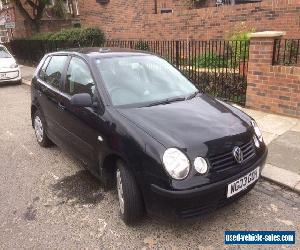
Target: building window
{"type": "Point", "coordinates": [166, 10]}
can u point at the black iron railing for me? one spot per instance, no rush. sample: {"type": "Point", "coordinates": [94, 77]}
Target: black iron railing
{"type": "Point", "coordinates": [286, 52]}
{"type": "Point", "coordinates": [218, 68]}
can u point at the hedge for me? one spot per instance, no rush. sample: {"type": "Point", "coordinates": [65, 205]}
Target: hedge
{"type": "Point", "coordinates": [81, 36]}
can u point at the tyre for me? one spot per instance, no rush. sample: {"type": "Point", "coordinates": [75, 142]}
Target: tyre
{"type": "Point", "coordinates": [40, 130]}
{"type": "Point", "coordinates": [129, 195]}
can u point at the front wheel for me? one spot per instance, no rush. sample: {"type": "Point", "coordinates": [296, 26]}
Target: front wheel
{"type": "Point", "coordinates": [40, 130]}
{"type": "Point", "coordinates": [129, 195]}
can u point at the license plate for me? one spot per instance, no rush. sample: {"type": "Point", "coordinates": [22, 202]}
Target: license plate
{"type": "Point", "coordinates": [2, 75]}
{"type": "Point", "coordinates": [242, 183]}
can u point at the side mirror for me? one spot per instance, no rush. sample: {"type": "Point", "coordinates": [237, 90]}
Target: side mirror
{"type": "Point", "coordinates": [82, 100]}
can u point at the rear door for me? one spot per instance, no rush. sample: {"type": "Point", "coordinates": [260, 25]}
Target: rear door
{"type": "Point", "coordinates": [49, 89]}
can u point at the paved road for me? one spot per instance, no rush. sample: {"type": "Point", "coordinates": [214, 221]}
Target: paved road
{"type": "Point", "coordinates": [27, 73]}
{"type": "Point", "coordinates": [47, 200]}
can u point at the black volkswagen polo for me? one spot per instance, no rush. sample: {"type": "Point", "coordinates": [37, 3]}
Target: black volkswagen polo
{"type": "Point", "coordinates": [135, 121]}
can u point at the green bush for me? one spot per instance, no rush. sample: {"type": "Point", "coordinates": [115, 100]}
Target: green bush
{"type": "Point", "coordinates": [240, 32]}
{"type": "Point", "coordinates": [92, 36]}
{"type": "Point", "coordinates": [211, 60]}
{"type": "Point", "coordinates": [73, 34]}
{"type": "Point", "coordinates": [239, 39]}
{"type": "Point", "coordinates": [78, 36]}
{"type": "Point", "coordinates": [239, 52]}
{"type": "Point", "coordinates": [41, 36]}
{"type": "Point", "coordinates": [291, 52]}
{"type": "Point", "coordinates": [240, 36]}
{"type": "Point", "coordinates": [142, 45]}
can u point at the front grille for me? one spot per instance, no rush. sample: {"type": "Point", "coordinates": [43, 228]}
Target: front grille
{"type": "Point", "coordinates": [226, 160]}
{"type": "Point", "coordinates": [200, 209]}
{"type": "Point", "coordinates": [206, 207]}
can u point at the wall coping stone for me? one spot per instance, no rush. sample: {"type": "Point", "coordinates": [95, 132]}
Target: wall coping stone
{"type": "Point", "coordinates": [265, 34]}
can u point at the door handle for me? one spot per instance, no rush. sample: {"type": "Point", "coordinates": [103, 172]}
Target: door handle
{"type": "Point", "coordinates": [61, 107]}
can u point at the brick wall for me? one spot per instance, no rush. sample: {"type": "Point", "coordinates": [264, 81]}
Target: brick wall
{"type": "Point", "coordinates": [271, 88]}
{"type": "Point", "coordinates": [174, 4]}
{"type": "Point", "coordinates": [134, 19]}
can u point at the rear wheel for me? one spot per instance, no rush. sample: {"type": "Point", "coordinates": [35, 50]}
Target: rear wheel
{"type": "Point", "coordinates": [40, 130]}
{"type": "Point", "coordinates": [129, 195]}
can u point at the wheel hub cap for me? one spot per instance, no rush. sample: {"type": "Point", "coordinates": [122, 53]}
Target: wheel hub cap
{"type": "Point", "coordinates": [38, 127]}
{"type": "Point", "coordinates": [120, 191]}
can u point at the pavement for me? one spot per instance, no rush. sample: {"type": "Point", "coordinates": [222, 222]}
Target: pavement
{"type": "Point", "coordinates": [27, 73]}
{"type": "Point", "coordinates": [48, 200]}
{"type": "Point", "coordinates": [281, 134]}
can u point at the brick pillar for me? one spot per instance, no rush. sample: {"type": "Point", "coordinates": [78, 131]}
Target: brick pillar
{"type": "Point", "coordinates": [259, 69]}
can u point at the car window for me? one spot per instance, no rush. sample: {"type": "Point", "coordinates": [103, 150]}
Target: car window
{"type": "Point", "coordinates": [4, 53]}
{"type": "Point", "coordinates": [54, 70]}
{"type": "Point", "coordinates": [79, 78]}
{"type": "Point", "coordinates": [142, 80]}
{"type": "Point", "coordinates": [42, 72]}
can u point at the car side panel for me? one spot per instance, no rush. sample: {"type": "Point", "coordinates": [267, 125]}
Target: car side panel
{"type": "Point", "coordinates": [47, 97]}
{"type": "Point", "coordinates": [83, 127]}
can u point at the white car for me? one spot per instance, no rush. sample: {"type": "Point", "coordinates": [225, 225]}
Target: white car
{"type": "Point", "coordinates": [9, 69]}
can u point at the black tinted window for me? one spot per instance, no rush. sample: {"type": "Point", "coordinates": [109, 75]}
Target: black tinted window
{"type": "Point", "coordinates": [42, 72]}
{"type": "Point", "coordinates": [54, 70]}
{"type": "Point", "coordinates": [79, 78]}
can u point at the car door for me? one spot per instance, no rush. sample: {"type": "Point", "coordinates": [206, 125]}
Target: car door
{"type": "Point", "coordinates": [49, 83]}
{"type": "Point", "coordinates": [82, 123]}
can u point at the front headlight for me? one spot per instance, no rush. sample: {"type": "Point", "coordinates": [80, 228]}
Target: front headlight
{"type": "Point", "coordinates": [257, 130]}
{"type": "Point", "coordinates": [200, 165]}
{"type": "Point", "coordinates": [14, 65]}
{"type": "Point", "coordinates": [256, 142]}
{"type": "Point", "coordinates": [176, 163]}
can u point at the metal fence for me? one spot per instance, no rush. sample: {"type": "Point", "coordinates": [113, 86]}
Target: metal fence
{"type": "Point", "coordinates": [286, 52]}
{"type": "Point", "coordinates": [218, 68]}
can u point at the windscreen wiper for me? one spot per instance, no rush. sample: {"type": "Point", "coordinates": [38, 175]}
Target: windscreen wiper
{"type": "Point", "coordinates": [166, 101]}
{"type": "Point", "coordinates": [192, 95]}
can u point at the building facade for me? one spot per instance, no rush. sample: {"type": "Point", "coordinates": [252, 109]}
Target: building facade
{"type": "Point", "coordinates": [166, 19]}
{"type": "Point", "coordinates": [187, 19]}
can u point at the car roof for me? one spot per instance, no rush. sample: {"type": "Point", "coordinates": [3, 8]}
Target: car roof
{"type": "Point", "coordinates": [103, 51]}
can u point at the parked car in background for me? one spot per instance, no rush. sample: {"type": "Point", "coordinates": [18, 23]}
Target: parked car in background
{"type": "Point", "coordinates": [133, 119]}
{"type": "Point", "coordinates": [9, 69]}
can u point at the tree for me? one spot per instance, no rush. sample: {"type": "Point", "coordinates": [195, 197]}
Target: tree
{"type": "Point", "coordinates": [33, 10]}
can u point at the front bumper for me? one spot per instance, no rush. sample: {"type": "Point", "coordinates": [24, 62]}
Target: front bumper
{"type": "Point", "coordinates": [10, 75]}
{"type": "Point", "coordinates": [194, 202]}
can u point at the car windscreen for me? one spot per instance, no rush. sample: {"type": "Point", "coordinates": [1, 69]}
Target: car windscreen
{"type": "Point", "coordinates": [4, 53]}
{"type": "Point", "coordinates": [142, 79]}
